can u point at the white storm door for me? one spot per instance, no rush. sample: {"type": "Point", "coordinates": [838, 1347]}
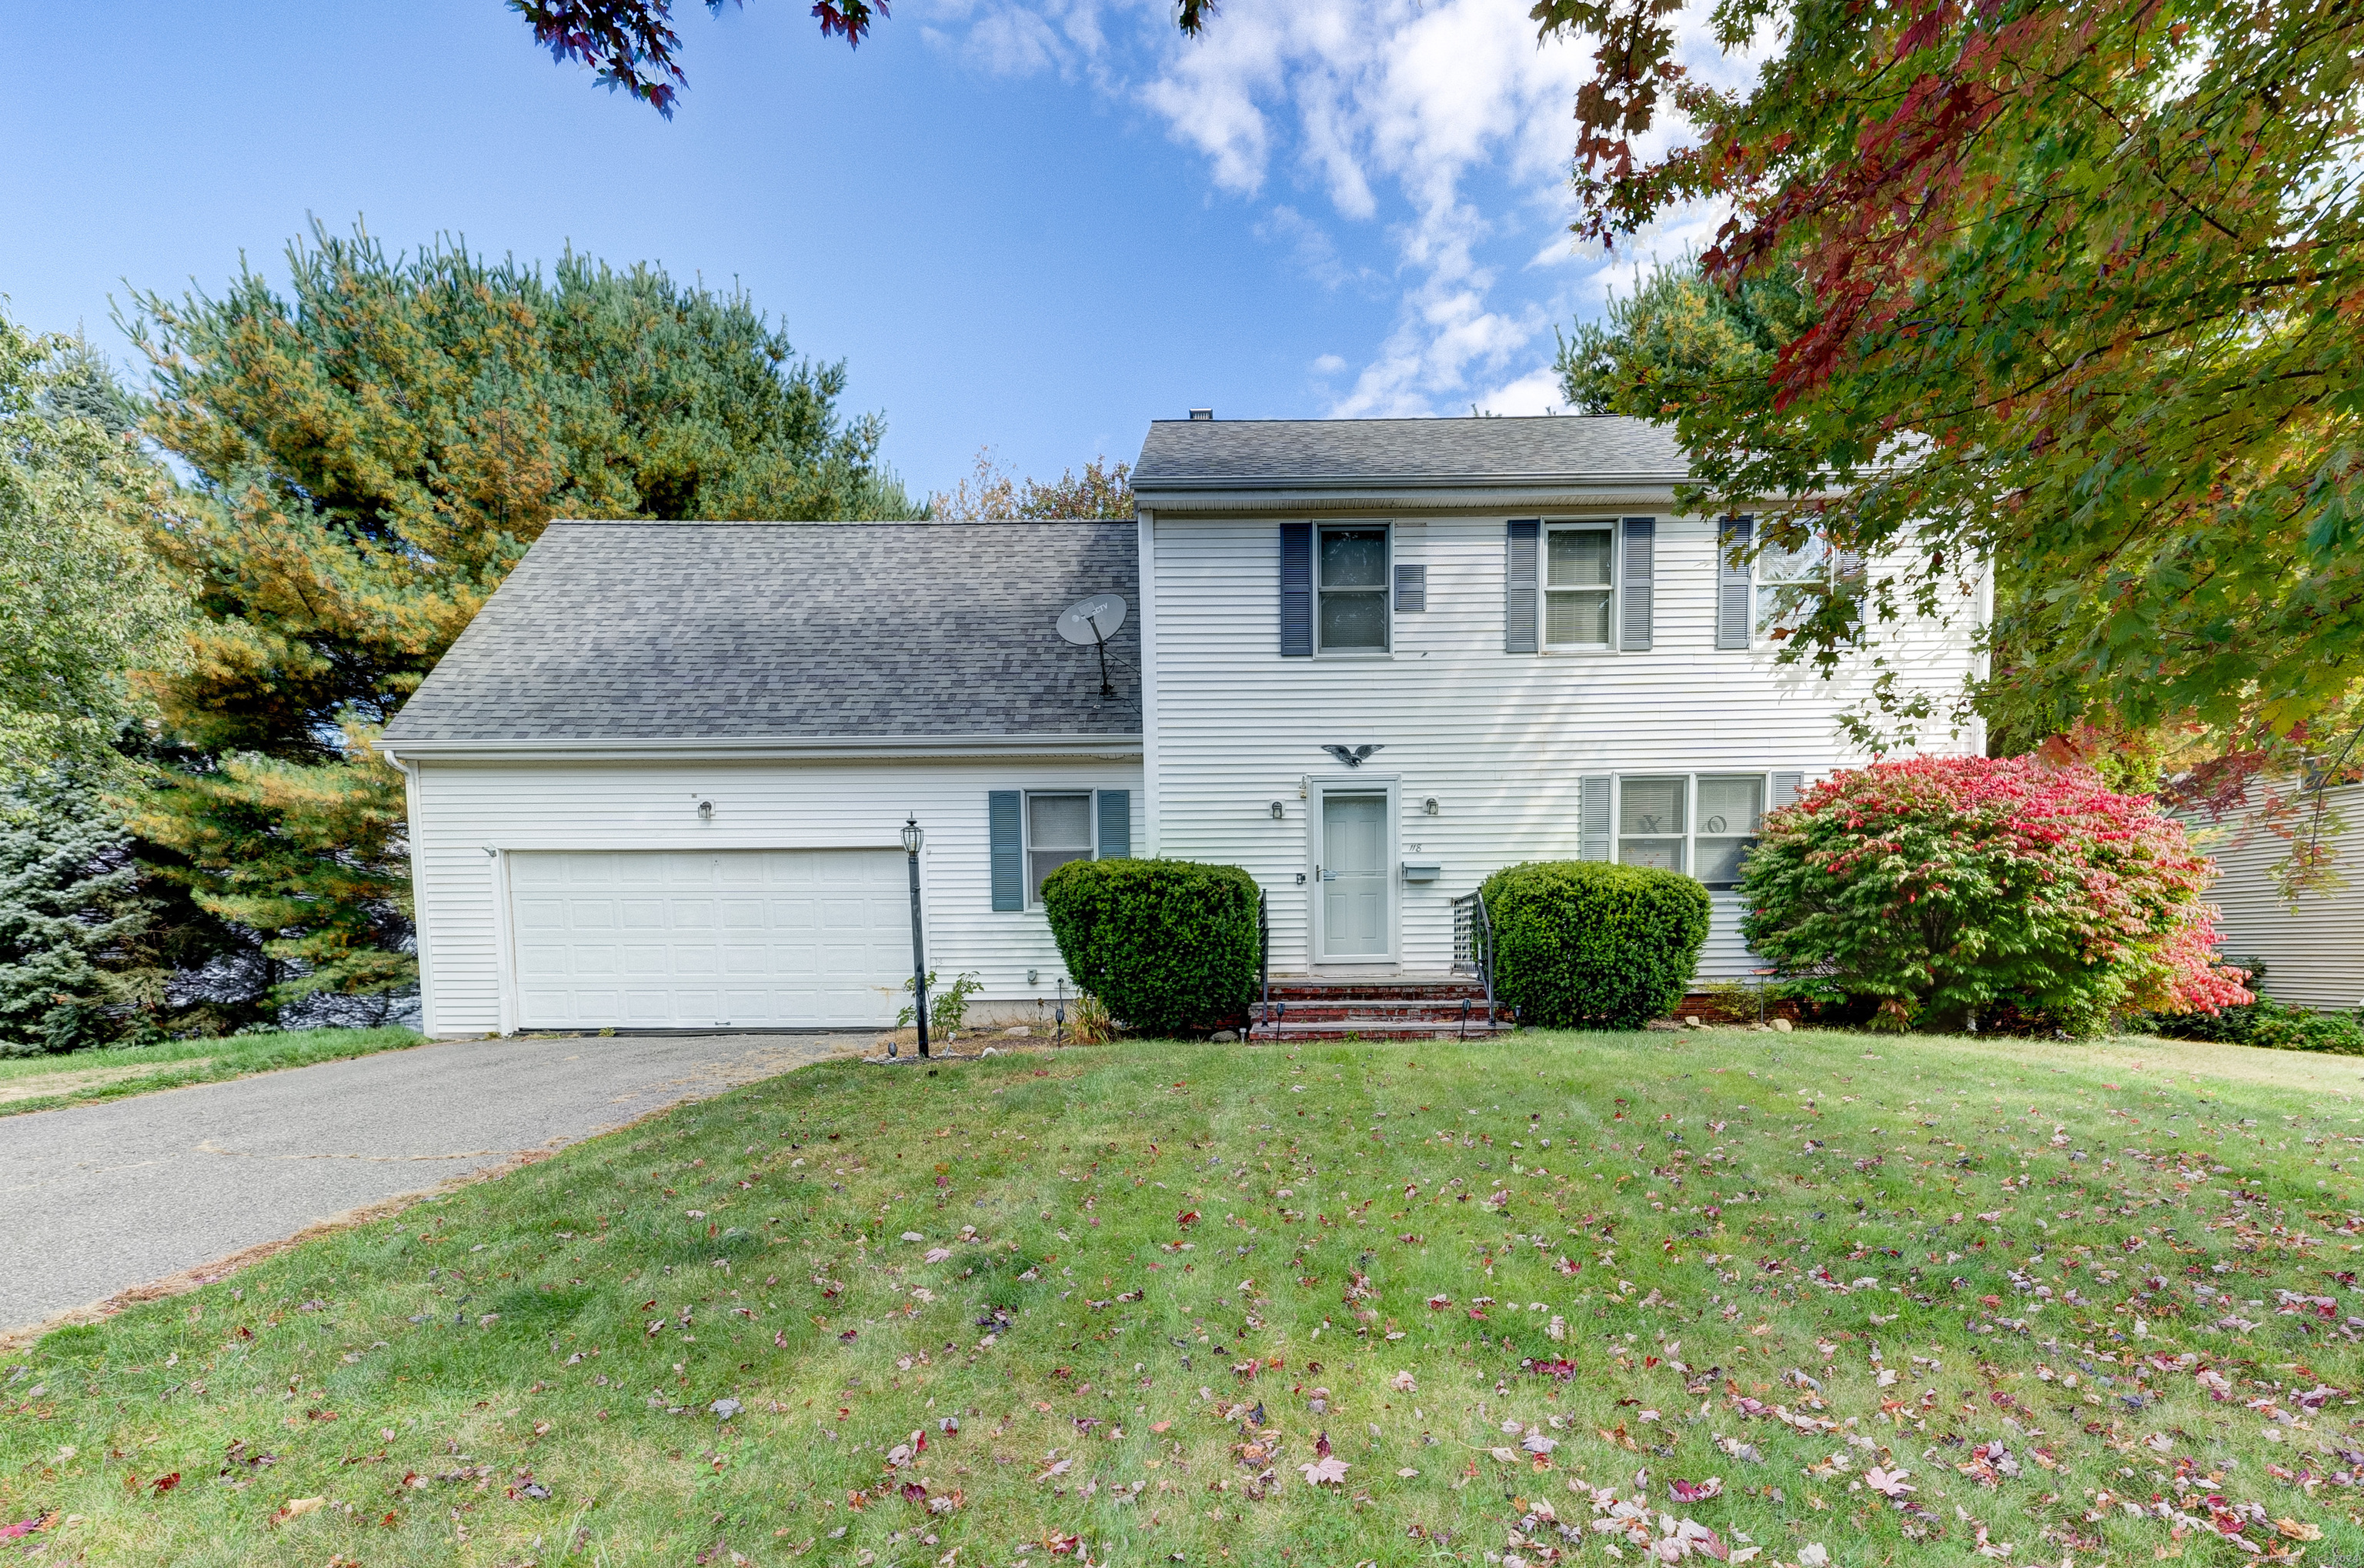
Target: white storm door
{"type": "Point", "coordinates": [731, 939]}
{"type": "Point", "coordinates": [1357, 894]}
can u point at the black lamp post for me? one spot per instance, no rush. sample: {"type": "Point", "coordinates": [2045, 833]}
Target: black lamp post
{"type": "Point", "coordinates": [913, 836]}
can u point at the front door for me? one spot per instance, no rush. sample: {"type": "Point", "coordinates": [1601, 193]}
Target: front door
{"type": "Point", "coordinates": [1356, 891]}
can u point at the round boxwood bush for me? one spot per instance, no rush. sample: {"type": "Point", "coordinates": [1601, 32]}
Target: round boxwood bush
{"type": "Point", "coordinates": [1585, 944]}
{"type": "Point", "coordinates": [1169, 947]}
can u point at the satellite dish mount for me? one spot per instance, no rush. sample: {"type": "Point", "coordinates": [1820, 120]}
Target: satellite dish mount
{"type": "Point", "coordinates": [1094, 621]}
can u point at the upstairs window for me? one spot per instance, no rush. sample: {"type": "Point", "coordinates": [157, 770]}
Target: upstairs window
{"type": "Point", "coordinates": [1351, 567]}
{"type": "Point", "coordinates": [1580, 586]}
{"type": "Point", "coordinates": [1791, 586]}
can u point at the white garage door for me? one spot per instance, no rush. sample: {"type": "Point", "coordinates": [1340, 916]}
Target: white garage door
{"type": "Point", "coordinates": [736, 939]}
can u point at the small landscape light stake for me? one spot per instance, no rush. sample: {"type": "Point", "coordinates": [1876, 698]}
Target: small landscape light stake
{"type": "Point", "coordinates": [913, 836]}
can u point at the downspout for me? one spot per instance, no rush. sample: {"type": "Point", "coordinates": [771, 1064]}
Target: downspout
{"type": "Point", "coordinates": [1150, 816]}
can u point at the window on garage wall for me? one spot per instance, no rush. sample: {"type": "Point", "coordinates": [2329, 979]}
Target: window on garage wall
{"type": "Point", "coordinates": [1058, 829]}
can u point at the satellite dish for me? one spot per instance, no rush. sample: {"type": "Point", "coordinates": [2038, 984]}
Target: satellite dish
{"type": "Point", "coordinates": [1092, 621]}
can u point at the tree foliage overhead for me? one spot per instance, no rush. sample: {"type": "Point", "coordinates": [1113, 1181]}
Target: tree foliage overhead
{"type": "Point", "coordinates": [632, 46]}
{"type": "Point", "coordinates": [81, 598]}
{"type": "Point", "coordinates": [370, 456]}
{"type": "Point", "coordinates": [2084, 285]}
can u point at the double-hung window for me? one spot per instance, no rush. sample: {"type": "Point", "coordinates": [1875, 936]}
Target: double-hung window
{"type": "Point", "coordinates": [1580, 585]}
{"type": "Point", "coordinates": [1791, 586]}
{"type": "Point", "coordinates": [1702, 824]}
{"type": "Point", "coordinates": [1058, 829]}
{"type": "Point", "coordinates": [1352, 579]}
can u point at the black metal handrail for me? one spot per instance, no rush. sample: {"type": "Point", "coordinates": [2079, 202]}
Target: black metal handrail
{"type": "Point", "coordinates": [1473, 944]}
{"type": "Point", "coordinates": [1264, 965]}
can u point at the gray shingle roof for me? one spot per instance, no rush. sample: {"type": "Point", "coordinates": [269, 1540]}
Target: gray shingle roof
{"type": "Point", "coordinates": [1190, 455]}
{"type": "Point", "coordinates": [749, 631]}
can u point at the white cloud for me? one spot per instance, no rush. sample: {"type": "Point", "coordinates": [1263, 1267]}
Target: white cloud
{"type": "Point", "coordinates": [1442, 122]}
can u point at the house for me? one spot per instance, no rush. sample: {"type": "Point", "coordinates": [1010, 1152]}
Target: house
{"type": "Point", "coordinates": [2311, 941]}
{"type": "Point", "coordinates": [660, 781]}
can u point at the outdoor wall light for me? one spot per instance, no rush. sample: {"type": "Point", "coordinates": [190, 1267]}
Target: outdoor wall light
{"type": "Point", "coordinates": [706, 811]}
{"type": "Point", "coordinates": [1277, 811]}
{"type": "Point", "coordinates": [1431, 807]}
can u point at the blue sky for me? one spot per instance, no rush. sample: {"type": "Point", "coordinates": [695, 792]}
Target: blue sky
{"type": "Point", "coordinates": [1033, 227]}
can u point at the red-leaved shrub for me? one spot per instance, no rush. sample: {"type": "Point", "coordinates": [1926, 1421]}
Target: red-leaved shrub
{"type": "Point", "coordinates": [1945, 885]}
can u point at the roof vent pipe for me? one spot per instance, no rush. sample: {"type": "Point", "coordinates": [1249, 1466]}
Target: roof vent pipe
{"type": "Point", "coordinates": [1202, 414]}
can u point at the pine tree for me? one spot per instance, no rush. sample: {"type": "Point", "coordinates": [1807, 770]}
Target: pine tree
{"type": "Point", "coordinates": [373, 455]}
{"type": "Point", "coordinates": [69, 894]}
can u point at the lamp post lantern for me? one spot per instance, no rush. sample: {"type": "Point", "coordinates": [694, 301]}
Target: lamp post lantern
{"type": "Point", "coordinates": [913, 836]}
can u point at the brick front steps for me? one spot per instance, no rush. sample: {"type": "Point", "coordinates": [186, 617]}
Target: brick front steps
{"type": "Point", "coordinates": [1444, 1007]}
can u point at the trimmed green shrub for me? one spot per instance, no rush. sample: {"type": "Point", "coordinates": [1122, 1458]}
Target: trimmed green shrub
{"type": "Point", "coordinates": [1169, 947]}
{"type": "Point", "coordinates": [2264, 1023]}
{"type": "Point", "coordinates": [1583, 944]}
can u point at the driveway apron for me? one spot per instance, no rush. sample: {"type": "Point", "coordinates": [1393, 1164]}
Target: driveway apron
{"type": "Point", "coordinates": [99, 1199]}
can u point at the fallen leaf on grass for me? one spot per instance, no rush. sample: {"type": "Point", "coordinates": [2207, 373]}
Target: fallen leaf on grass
{"type": "Point", "coordinates": [1695, 1491]}
{"type": "Point", "coordinates": [297, 1508]}
{"type": "Point", "coordinates": [1325, 1472]}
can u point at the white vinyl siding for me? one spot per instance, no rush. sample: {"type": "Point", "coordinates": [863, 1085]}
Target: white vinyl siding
{"type": "Point", "coordinates": [1500, 740]}
{"type": "Point", "coordinates": [2313, 947]}
{"type": "Point", "coordinates": [466, 810]}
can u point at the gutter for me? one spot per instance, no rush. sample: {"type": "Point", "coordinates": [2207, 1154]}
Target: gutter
{"type": "Point", "coordinates": [850, 747]}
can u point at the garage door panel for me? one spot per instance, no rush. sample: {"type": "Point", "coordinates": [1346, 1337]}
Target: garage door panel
{"type": "Point", "coordinates": [694, 940]}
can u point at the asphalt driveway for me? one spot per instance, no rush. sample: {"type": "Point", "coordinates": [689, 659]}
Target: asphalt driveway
{"type": "Point", "coordinates": [99, 1199]}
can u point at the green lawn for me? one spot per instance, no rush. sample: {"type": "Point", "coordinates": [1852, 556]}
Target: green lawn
{"type": "Point", "coordinates": [45, 1083]}
{"type": "Point", "coordinates": [2089, 1301]}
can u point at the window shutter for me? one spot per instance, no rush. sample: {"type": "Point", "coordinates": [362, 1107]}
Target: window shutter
{"type": "Point", "coordinates": [1734, 600]}
{"type": "Point", "coordinates": [1116, 825]}
{"type": "Point", "coordinates": [1412, 589]}
{"type": "Point", "coordinates": [1592, 818]}
{"type": "Point", "coordinates": [1641, 560]}
{"type": "Point", "coordinates": [1297, 590]}
{"type": "Point", "coordinates": [1786, 787]}
{"type": "Point", "coordinates": [1008, 853]}
{"type": "Point", "coordinates": [1519, 593]}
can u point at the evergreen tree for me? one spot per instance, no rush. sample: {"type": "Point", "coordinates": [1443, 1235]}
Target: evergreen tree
{"type": "Point", "coordinates": [68, 894]}
{"type": "Point", "coordinates": [373, 455]}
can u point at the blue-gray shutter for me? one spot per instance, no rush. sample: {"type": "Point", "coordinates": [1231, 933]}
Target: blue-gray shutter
{"type": "Point", "coordinates": [1412, 589]}
{"type": "Point", "coordinates": [1519, 606]}
{"type": "Point", "coordinates": [1786, 789]}
{"type": "Point", "coordinates": [1592, 818]}
{"type": "Point", "coordinates": [1641, 562]}
{"type": "Point", "coordinates": [1734, 606]}
{"type": "Point", "coordinates": [1116, 824]}
{"type": "Point", "coordinates": [1297, 590]}
{"type": "Point", "coordinates": [1001, 807]}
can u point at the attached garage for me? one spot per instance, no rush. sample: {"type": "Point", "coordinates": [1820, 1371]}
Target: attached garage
{"type": "Point", "coordinates": [730, 938]}
{"type": "Point", "coordinates": [661, 781]}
